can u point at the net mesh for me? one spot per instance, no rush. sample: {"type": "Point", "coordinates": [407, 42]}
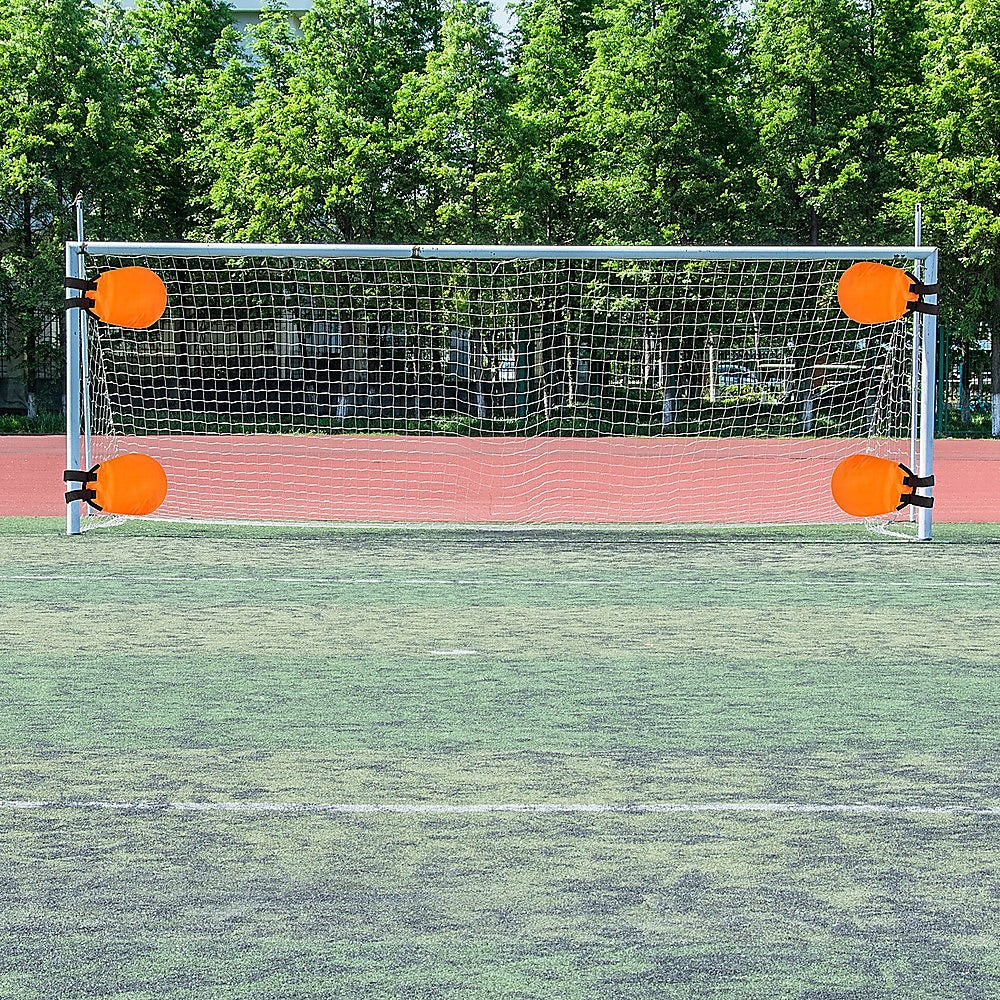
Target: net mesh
{"type": "Point", "coordinates": [485, 390]}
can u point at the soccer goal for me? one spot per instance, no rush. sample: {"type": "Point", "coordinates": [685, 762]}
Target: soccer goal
{"type": "Point", "coordinates": [458, 384]}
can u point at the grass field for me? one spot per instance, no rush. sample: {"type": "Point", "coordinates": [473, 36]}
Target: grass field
{"type": "Point", "coordinates": [525, 763]}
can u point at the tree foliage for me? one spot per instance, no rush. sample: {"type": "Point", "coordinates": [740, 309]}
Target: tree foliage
{"type": "Point", "coordinates": [415, 120]}
{"type": "Point", "coordinates": [659, 115]}
{"type": "Point", "coordinates": [451, 120]}
{"type": "Point", "coordinates": [60, 132]}
{"type": "Point", "coordinates": [548, 153]}
{"type": "Point", "coordinates": [165, 49]}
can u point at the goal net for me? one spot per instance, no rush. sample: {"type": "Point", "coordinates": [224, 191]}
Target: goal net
{"type": "Point", "coordinates": [495, 384]}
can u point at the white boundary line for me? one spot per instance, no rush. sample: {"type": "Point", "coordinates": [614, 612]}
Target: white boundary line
{"type": "Point", "coordinates": [456, 808]}
{"type": "Point", "coordinates": [981, 583]}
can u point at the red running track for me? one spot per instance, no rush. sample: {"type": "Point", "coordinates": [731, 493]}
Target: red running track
{"type": "Point", "coordinates": [470, 479]}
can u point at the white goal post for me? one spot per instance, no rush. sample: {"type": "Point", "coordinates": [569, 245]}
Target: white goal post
{"type": "Point", "coordinates": [499, 384]}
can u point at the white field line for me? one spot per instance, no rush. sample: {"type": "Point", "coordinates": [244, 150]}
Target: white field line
{"type": "Point", "coordinates": [457, 808]}
{"type": "Point", "coordinates": [499, 580]}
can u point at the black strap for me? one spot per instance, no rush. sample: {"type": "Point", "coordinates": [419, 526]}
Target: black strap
{"type": "Point", "coordinates": [88, 495]}
{"type": "Point", "coordinates": [914, 482]}
{"type": "Point", "coordinates": [916, 500]}
{"type": "Point", "coordinates": [79, 476]}
{"type": "Point", "coordinates": [81, 301]}
{"type": "Point", "coordinates": [80, 284]}
{"type": "Point", "coordinates": [919, 288]}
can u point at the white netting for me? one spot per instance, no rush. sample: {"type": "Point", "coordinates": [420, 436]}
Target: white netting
{"type": "Point", "coordinates": [278, 388]}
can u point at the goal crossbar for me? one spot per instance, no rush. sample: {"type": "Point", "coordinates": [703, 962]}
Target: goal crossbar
{"type": "Point", "coordinates": [485, 252]}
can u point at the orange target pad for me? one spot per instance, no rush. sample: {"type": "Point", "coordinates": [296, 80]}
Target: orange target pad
{"type": "Point", "coordinates": [869, 486]}
{"type": "Point", "coordinates": [870, 293]}
{"type": "Point", "coordinates": [132, 297]}
{"type": "Point", "coordinates": [132, 485]}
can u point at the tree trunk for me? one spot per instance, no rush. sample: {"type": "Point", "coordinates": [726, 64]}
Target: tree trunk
{"type": "Point", "coordinates": [813, 226]}
{"type": "Point", "coordinates": [808, 410]}
{"type": "Point", "coordinates": [813, 214]}
{"type": "Point", "coordinates": [713, 374]}
{"type": "Point", "coordinates": [354, 371]}
{"type": "Point", "coordinates": [995, 366]}
{"type": "Point", "coordinates": [669, 366]}
{"type": "Point", "coordinates": [995, 357]}
{"type": "Point", "coordinates": [964, 389]}
{"type": "Point", "coordinates": [30, 320]}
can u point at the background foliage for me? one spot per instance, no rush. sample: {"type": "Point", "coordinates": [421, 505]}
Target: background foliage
{"type": "Point", "coordinates": [594, 121]}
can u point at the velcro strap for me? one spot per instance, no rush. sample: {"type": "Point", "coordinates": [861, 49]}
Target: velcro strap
{"type": "Point", "coordinates": [80, 284]}
{"type": "Point", "coordinates": [919, 288]}
{"type": "Point", "coordinates": [916, 482]}
{"type": "Point", "coordinates": [927, 308]}
{"type": "Point", "coordinates": [79, 476]}
{"type": "Point", "coordinates": [916, 500]}
{"type": "Point", "coordinates": [84, 494]}
{"type": "Point", "coordinates": [79, 302]}
{"type": "Point", "coordinates": [87, 305]}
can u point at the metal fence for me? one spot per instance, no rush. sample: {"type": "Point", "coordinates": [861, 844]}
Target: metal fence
{"type": "Point", "coordinates": [964, 389]}
{"type": "Point", "coordinates": [32, 360]}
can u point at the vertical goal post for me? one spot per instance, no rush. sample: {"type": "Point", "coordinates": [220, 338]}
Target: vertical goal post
{"type": "Point", "coordinates": [518, 361]}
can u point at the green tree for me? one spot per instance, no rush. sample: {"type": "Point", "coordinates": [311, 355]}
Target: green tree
{"type": "Point", "coordinates": [808, 89]}
{"type": "Point", "coordinates": [356, 54]}
{"type": "Point", "coordinates": [60, 132]}
{"type": "Point", "coordinates": [882, 138]}
{"type": "Point", "coordinates": [297, 142]}
{"type": "Point", "coordinates": [547, 154]}
{"type": "Point", "coordinates": [450, 122]}
{"type": "Point", "coordinates": [660, 115]}
{"type": "Point", "coordinates": [164, 50]}
{"type": "Point", "coordinates": [958, 169]}
{"type": "Point", "coordinates": [252, 153]}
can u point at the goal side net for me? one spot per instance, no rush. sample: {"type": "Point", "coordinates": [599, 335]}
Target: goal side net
{"type": "Point", "coordinates": [498, 384]}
